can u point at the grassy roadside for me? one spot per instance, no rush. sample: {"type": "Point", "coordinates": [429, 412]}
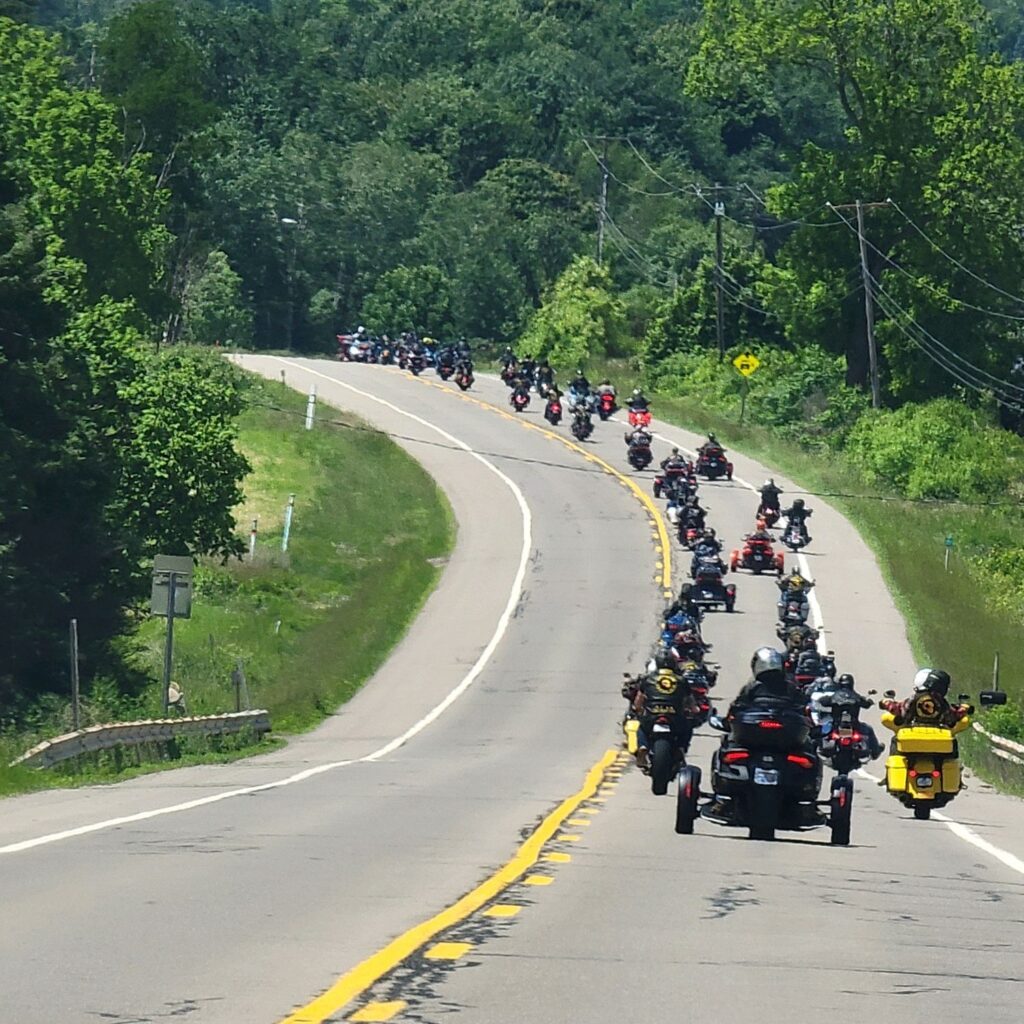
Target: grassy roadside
{"type": "Point", "coordinates": [951, 618]}
{"type": "Point", "coordinates": [369, 533]}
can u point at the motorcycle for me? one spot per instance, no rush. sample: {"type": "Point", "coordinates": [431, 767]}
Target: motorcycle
{"type": "Point", "coordinates": [416, 363]}
{"type": "Point", "coordinates": [509, 375]}
{"type": "Point", "coordinates": [758, 556]}
{"type": "Point", "coordinates": [639, 456]}
{"type": "Point", "coordinates": [519, 400]}
{"type": "Point", "coordinates": [763, 778]}
{"type": "Point", "coordinates": [577, 400]}
{"type": "Point", "coordinates": [713, 464]}
{"type": "Point", "coordinates": [582, 425]}
{"type": "Point", "coordinates": [769, 515]}
{"type": "Point", "coordinates": [793, 612]}
{"type": "Point", "coordinates": [709, 589]}
{"type": "Point", "coordinates": [553, 412]}
{"type": "Point", "coordinates": [795, 536]}
{"type": "Point", "coordinates": [923, 770]}
{"type": "Point", "coordinates": [605, 404]}
{"type": "Point", "coordinates": [445, 369]}
{"type": "Point", "coordinates": [464, 378]}
{"type": "Point", "coordinates": [639, 418]}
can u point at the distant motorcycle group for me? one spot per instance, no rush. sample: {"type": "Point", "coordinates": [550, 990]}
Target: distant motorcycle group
{"type": "Point", "coordinates": [581, 401]}
{"type": "Point", "coordinates": [796, 715]}
{"type": "Point", "coordinates": [409, 352]}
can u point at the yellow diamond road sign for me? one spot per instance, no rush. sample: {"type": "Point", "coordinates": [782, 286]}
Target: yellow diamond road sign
{"type": "Point", "coordinates": [746, 363]}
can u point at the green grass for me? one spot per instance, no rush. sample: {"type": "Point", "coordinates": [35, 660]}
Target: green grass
{"type": "Point", "coordinates": [309, 626]}
{"type": "Point", "coordinates": [952, 620]}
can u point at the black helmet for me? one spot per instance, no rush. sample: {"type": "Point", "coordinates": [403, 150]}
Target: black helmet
{"type": "Point", "coordinates": [766, 660]}
{"type": "Point", "coordinates": [933, 681]}
{"type": "Point", "coordinates": [663, 660]}
{"type": "Point", "coordinates": [845, 681]}
{"type": "Point", "coordinates": [798, 503]}
{"type": "Point", "coordinates": [712, 438]}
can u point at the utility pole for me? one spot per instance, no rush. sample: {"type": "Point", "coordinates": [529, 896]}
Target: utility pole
{"type": "Point", "coordinates": [602, 209]}
{"type": "Point", "coordinates": [869, 295]}
{"type": "Point", "coordinates": [719, 275]}
{"type": "Point", "coordinates": [869, 309]}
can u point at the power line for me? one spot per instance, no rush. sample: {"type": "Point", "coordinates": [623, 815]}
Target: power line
{"type": "Point", "coordinates": [922, 282]}
{"type": "Point", "coordinates": [946, 358]}
{"type": "Point", "coordinates": [952, 259]}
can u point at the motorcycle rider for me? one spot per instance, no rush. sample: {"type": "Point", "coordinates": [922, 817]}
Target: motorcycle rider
{"type": "Point", "coordinates": [710, 446]}
{"type": "Point", "coordinates": [799, 513]}
{"type": "Point", "coordinates": [638, 401]}
{"type": "Point", "coordinates": [606, 387]}
{"type": "Point", "coordinates": [769, 496]}
{"type": "Point", "coordinates": [768, 686]}
{"type": "Point", "coordinates": [508, 358]}
{"type": "Point", "coordinates": [463, 351]}
{"type": "Point", "coordinates": [521, 388]}
{"type": "Point", "coordinates": [847, 683]}
{"type": "Point", "coordinates": [545, 377]}
{"type": "Point", "coordinates": [684, 604]}
{"type": "Point", "coordinates": [663, 686]}
{"type": "Point", "coordinates": [639, 438]}
{"type": "Point", "coordinates": [579, 383]}
{"type": "Point", "coordinates": [929, 703]}
{"type": "Point", "coordinates": [793, 587]}
{"type": "Point", "coordinates": [708, 548]}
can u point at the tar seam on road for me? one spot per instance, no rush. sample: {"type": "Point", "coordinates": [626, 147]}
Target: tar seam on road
{"type": "Point", "coordinates": [431, 716]}
{"type": "Point", "coordinates": [356, 981]}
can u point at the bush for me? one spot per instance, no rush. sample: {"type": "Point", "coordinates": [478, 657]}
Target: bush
{"type": "Point", "coordinates": [941, 449]}
{"type": "Point", "coordinates": [1006, 721]}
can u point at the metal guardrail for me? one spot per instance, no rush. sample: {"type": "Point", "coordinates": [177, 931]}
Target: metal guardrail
{"type": "Point", "coordinates": [133, 734]}
{"type": "Point", "coordinates": [1001, 747]}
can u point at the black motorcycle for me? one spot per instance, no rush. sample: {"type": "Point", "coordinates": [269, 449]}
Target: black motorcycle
{"type": "Point", "coordinates": [639, 456]}
{"type": "Point", "coordinates": [582, 424]}
{"type": "Point", "coordinates": [763, 776]}
{"type": "Point", "coordinates": [416, 363]}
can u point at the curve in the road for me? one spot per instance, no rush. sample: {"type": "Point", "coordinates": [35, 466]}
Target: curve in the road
{"type": "Point", "coordinates": [431, 716]}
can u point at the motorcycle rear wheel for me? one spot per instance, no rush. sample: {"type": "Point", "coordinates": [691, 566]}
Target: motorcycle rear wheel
{"type": "Point", "coordinates": [686, 800]}
{"type": "Point", "coordinates": [922, 810]}
{"type": "Point", "coordinates": [841, 812]}
{"type": "Point", "coordinates": [764, 812]}
{"type": "Point", "coordinates": [661, 766]}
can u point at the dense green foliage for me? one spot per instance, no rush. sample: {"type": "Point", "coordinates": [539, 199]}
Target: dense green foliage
{"type": "Point", "coordinates": [109, 452]}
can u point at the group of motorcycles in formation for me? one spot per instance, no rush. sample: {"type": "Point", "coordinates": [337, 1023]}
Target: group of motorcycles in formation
{"type": "Point", "coordinates": [797, 713]}
{"type": "Point", "coordinates": [410, 352]}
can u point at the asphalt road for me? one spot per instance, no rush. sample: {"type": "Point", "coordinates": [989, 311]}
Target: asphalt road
{"type": "Point", "coordinates": [260, 883]}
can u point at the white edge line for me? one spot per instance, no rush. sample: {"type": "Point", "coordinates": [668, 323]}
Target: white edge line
{"type": "Point", "coordinates": [961, 831]}
{"type": "Point", "coordinates": [431, 716]}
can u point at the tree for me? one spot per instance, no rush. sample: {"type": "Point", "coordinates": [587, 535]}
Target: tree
{"type": "Point", "coordinates": [410, 297]}
{"type": "Point", "coordinates": [581, 318]}
{"type": "Point", "coordinates": [913, 79]}
{"type": "Point", "coordinates": [215, 312]}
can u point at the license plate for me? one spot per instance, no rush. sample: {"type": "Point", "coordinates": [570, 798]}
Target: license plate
{"type": "Point", "coordinates": [766, 777]}
{"type": "Point", "coordinates": [924, 781]}
{"type": "Point", "coordinates": [661, 728]}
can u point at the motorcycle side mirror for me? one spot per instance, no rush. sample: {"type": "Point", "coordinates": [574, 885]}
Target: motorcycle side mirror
{"type": "Point", "coordinates": [963, 698]}
{"type": "Point", "coordinates": [716, 723]}
{"type": "Point", "coordinates": [889, 694]}
{"type": "Point", "coordinates": [992, 698]}
{"type": "Point", "coordinates": [871, 693]}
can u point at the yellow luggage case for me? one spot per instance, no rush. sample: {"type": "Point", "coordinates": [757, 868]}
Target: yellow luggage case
{"type": "Point", "coordinates": [924, 739]}
{"type": "Point", "coordinates": [896, 773]}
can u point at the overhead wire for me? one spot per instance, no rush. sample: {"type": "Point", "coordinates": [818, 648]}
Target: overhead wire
{"type": "Point", "coordinates": [952, 259]}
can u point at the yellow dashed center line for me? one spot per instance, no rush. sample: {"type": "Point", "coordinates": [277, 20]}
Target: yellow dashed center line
{"type": "Point", "coordinates": [378, 1011]}
{"type": "Point", "coordinates": [557, 858]}
{"type": "Point", "coordinates": [447, 950]}
{"type": "Point", "coordinates": [538, 880]}
{"type": "Point", "coordinates": [503, 910]}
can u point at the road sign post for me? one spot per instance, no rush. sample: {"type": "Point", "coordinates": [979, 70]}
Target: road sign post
{"type": "Point", "coordinates": [171, 597]}
{"type": "Point", "coordinates": [747, 363]}
{"type": "Point", "coordinates": [949, 548]}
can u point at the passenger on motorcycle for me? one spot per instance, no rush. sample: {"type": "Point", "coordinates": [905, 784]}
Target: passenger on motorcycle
{"type": "Point", "coordinates": [799, 513]}
{"type": "Point", "coordinates": [769, 497]}
{"type": "Point", "coordinates": [606, 387]}
{"type": "Point", "coordinates": [639, 438]}
{"type": "Point", "coordinates": [794, 587]}
{"type": "Point", "coordinates": [929, 703]}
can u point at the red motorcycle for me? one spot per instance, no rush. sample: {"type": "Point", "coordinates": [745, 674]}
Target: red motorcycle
{"type": "Point", "coordinates": [758, 556]}
{"type": "Point", "coordinates": [712, 463]}
{"type": "Point", "coordinates": [519, 400]}
{"type": "Point", "coordinates": [606, 405]}
{"type": "Point", "coordinates": [553, 412]}
{"type": "Point", "coordinates": [639, 417]}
